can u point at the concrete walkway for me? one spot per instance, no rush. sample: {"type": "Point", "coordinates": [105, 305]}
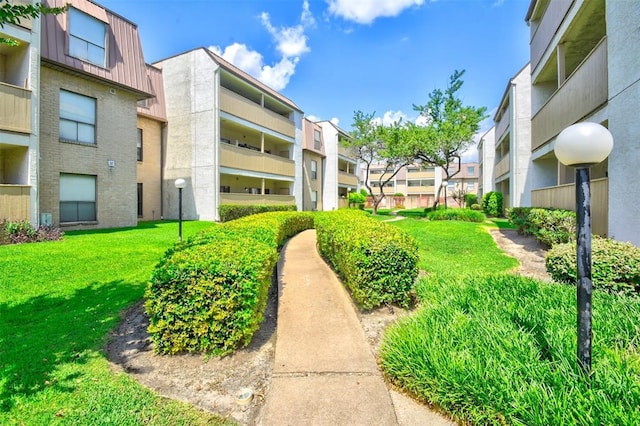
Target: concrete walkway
{"type": "Point", "coordinates": [324, 371]}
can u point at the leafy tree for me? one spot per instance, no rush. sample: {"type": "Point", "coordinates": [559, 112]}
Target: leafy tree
{"type": "Point", "coordinates": [13, 13]}
{"type": "Point", "coordinates": [448, 129]}
{"type": "Point", "coordinates": [373, 143]}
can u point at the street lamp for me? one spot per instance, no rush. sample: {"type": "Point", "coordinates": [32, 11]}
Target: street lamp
{"type": "Point", "coordinates": [581, 146]}
{"type": "Point", "coordinates": [180, 184]}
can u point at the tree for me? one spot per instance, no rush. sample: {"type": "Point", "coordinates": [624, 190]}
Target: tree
{"type": "Point", "coordinates": [459, 195]}
{"type": "Point", "coordinates": [374, 143]}
{"type": "Point", "coordinates": [448, 129]}
{"type": "Point", "coordinates": [12, 13]}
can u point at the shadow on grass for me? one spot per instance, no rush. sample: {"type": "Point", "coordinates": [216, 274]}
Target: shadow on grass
{"type": "Point", "coordinates": [42, 335]}
{"type": "Point", "coordinates": [141, 225]}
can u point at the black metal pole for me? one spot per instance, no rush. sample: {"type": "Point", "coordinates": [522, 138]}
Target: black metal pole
{"type": "Point", "coordinates": [180, 214]}
{"type": "Point", "coordinates": [583, 253]}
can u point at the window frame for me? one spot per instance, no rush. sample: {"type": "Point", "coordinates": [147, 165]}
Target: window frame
{"type": "Point", "coordinates": [82, 38]}
{"type": "Point", "coordinates": [140, 188]}
{"type": "Point", "coordinates": [314, 170]}
{"type": "Point", "coordinates": [140, 145]}
{"type": "Point", "coordinates": [314, 200]}
{"type": "Point", "coordinates": [67, 116]}
{"type": "Point", "coordinates": [64, 208]}
{"type": "Point", "coordinates": [317, 139]}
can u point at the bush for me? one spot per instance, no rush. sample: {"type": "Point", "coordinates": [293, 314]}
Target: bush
{"type": "Point", "coordinates": [208, 294]}
{"type": "Point", "coordinates": [470, 199]}
{"type": "Point", "coordinates": [476, 207]}
{"type": "Point", "coordinates": [378, 263]}
{"type": "Point", "coordinates": [229, 212]}
{"type": "Point", "coordinates": [466, 215]}
{"type": "Point", "coordinates": [23, 232]}
{"type": "Point", "coordinates": [550, 226]}
{"type": "Point", "coordinates": [615, 265]}
{"type": "Point", "coordinates": [356, 198]}
{"type": "Point", "coordinates": [492, 204]}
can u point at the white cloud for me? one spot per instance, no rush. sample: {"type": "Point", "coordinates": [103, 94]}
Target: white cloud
{"type": "Point", "coordinates": [312, 117]}
{"type": "Point", "coordinates": [367, 11]}
{"type": "Point", "coordinates": [291, 43]}
{"type": "Point", "coordinates": [390, 117]}
{"type": "Point", "coordinates": [335, 121]}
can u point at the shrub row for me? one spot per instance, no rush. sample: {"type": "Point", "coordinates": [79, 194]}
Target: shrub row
{"type": "Point", "coordinates": [466, 215]}
{"type": "Point", "coordinates": [208, 294]}
{"type": "Point", "coordinates": [23, 232]}
{"type": "Point", "coordinates": [615, 265]}
{"type": "Point", "coordinates": [550, 226]}
{"type": "Point", "coordinates": [377, 261]}
{"type": "Point", "coordinates": [492, 203]}
{"type": "Point", "coordinates": [230, 212]}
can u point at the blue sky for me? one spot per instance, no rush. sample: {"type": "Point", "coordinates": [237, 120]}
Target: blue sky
{"type": "Point", "coordinates": [332, 57]}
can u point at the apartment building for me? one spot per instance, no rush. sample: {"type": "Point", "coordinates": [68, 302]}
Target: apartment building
{"type": "Point", "coordinates": [486, 159]}
{"type": "Point", "coordinates": [341, 168]}
{"type": "Point", "coordinates": [19, 105]}
{"type": "Point", "coordinates": [150, 143]}
{"type": "Point", "coordinates": [584, 67]}
{"type": "Point", "coordinates": [465, 181]}
{"type": "Point", "coordinates": [92, 75]}
{"type": "Point", "coordinates": [233, 139]}
{"type": "Point", "coordinates": [513, 140]}
{"type": "Point", "coordinates": [313, 166]}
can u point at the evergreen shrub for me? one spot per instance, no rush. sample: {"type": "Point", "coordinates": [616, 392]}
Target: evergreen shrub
{"type": "Point", "coordinates": [466, 215]}
{"type": "Point", "coordinates": [377, 262]}
{"type": "Point", "coordinates": [230, 212]}
{"type": "Point", "coordinates": [492, 203]}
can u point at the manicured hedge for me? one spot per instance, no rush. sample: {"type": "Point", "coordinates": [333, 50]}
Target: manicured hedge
{"type": "Point", "coordinates": [466, 215]}
{"type": "Point", "coordinates": [377, 262]}
{"type": "Point", "coordinates": [549, 225]}
{"type": "Point", "coordinates": [209, 293]}
{"type": "Point", "coordinates": [615, 265]}
{"type": "Point", "coordinates": [230, 212]}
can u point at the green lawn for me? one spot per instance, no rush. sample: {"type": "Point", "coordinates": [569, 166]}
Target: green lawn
{"type": "Point", "coordinates": [58, 302]}
{"type": "Point", "coordinates": [501, 349]}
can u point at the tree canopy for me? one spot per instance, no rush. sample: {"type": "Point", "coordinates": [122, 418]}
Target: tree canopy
{"type": "Point", "coordinates": [13, 13]}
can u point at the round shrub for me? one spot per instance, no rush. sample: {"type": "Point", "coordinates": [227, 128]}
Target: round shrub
{"type": "Point", "coordinates": [492, 203]}
{"type": "Point", "coordinates": [476, 207]}
{"type": "Point", "coordinates": [616, 265]}
{"type": "Point", "coordinates": [466, 215]}
{"type": "Point", "coordinates": [470, 199]}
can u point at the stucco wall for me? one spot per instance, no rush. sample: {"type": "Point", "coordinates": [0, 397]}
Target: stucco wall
{"type": "Point", "coordinates": [148, 170]}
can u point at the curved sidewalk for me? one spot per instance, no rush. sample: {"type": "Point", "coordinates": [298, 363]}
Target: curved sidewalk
{"type": "Point", "coordinates": [324, 371]}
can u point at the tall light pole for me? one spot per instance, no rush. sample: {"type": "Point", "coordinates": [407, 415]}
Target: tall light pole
{"type": "Point", "coordinates": [180, 184]}
{"type": "Point", "coordinates": [581, 146]}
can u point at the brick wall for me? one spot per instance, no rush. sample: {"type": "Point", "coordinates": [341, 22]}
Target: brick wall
{"type": "Point", "coordinates": [116, 130]}
{"type": "Point", "coordinates": [149, 167]}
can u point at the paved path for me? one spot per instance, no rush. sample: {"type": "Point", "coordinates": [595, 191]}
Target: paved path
{"type": "Point", "coordinates": [324, 371]}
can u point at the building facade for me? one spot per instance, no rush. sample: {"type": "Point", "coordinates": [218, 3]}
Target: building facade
{"type": "Point", "coordinates": [584, 67]}
{"type": "Point", "coordinates": [92, 74]}
{"type": "Point", "coordinates": [341, 168]}
{"type": "Point", "coordinates": [512, 141]}
{"type": "Point", "coordinates": [19, 121]}
{"type": "Point", "coordinates": [313, 166]}
{"type": "Point", "coordinates": [486, 160]}
{"type": "Point", "coordinates": [233, 139]}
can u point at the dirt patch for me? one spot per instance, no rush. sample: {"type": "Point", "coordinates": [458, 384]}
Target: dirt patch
{"type": "Point", "coordinates": [214, 384]}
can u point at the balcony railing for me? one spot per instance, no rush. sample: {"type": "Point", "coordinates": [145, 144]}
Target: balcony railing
{"type": "Point", "coordinates": [15, 108]}
{"type": "Point", "coordinates": [243, 108]}
{"type": "Point", "coordinates": [548, 27]}
{"type": "Point", "coordinates": [421, 190]}
{"type": "Point", "coordinates": [421, 175]}
{"type": "Point", "coordinates": [15, 202]}
{"type": "Point", "coordinates": [246, 159]}
{"type": "Point", "coordinates": [347, 179]}
{"type": "Point", "coordinates": [244, 199]}
{"type": "Point", "coordinates": [503, 166]}
{"type": "Point", "coordinates": [564, 197]}
{"type": "Point", "coordinates": [583, 92]}
{"type": "Point", "coordinates": [502, 125]}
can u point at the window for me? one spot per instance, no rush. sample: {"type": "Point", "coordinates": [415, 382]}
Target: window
{"type": "Point", "coordinates": [77, 118]}
{"type": "Point", "coordinates": [87, 38]}
{"type": "Point", "coordinates": [314, 200]}
{"type": "Point", "coordinates": [375, 171]}
{"type": "Point", "coordinates": [314, 170]}
{"type": "Point", "coordinates": [471, 186]}
{"type": "Point", "coordinates": [413, 183]}
{"type": "Point", "coordinates": [317, 139]}
{"type": "Point", "coordinates": [139, 144]}
{"type": "Point", "coordinates": [471, 170]}
{"type": "Point", "coordinates": [225, 188]}
{"type": "Point", "coordinates": [77, 198]}
{"type": "Point", "coordinates": [140, 200]}
{"type": "Point", "coordinates": [413, 170]}
{"type": "Point", "coordinates": [451, 184]}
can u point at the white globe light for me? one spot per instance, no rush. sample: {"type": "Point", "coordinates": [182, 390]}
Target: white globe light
{"type": "Point", "coordinates": [180, 183]}
{"type": "Point", "coordinates": [583, 144]}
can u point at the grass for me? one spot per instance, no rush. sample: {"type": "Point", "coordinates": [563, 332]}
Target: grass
{"type": "Point", "coordinates": [500, 223]}
{"type": "Point", "coordinates": [58, 302]}
{"type": "Point", "coordinates": [500, 349]}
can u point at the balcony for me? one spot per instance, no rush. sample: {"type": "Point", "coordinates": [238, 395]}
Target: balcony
{"type": "Point", "coordinates": [423, 174]}
{"type": "Point", "coordinates": [546, 28]}
{"type": "Point", "coordinates": [582, 93]}
{"type": "Point", "coordinates": [347, 179]}
{"type": "Point", "coordinates": [15, 202]}
{"type": "Point", "coordinates": [241, 107]}
{"type": "Point", "coordinates": [255, 161]}
{"type": "Point", "coordinates": [421, 190]}
{"type": "Point", "coordinates": [249, 199]}
{"type": "Point", "coordinates": [503, 166]}
{"type": "Point", "coordinates": [15, 109]}
{"type": "Point", "coordinates": [564, 197]}
{"type": "Point", "coordinates": [502, 125]}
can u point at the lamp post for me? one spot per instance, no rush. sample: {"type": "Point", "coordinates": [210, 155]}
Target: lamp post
{"type": "Point", "coordinates": [180, 184]}
{"type": "Point", "coordinates": [583, 145]}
